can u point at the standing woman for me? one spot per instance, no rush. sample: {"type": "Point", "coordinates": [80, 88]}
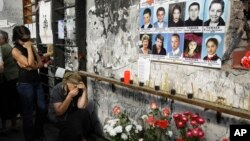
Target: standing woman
{"type": "Point", "coordinates": [9, 99]}
{"type": "Point", "coordinates": [29, 86]}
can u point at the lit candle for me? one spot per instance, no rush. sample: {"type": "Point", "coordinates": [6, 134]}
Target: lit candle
{"type": "Point", "coordinates": [127, 77]}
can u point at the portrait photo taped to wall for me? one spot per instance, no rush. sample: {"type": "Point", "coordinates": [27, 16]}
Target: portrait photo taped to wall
{"type": "Point", "coordinates": [146, 18]}
{"type": "Point", "coordinates": [212, 49]}
{"type": "Point", "coordinates": [215, 16]}
{"type": "Point", "coordinates": [145, 45]}
{"type": "Point", "coordinates": [194, 16]}
{"type": "Point", "coordinates": [160, 17]}
{"type": "Point", "coordinates": [176, 15]}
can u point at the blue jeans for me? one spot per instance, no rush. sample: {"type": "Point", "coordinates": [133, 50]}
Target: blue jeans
{"type": "Point", "coordinates": [32, 98]}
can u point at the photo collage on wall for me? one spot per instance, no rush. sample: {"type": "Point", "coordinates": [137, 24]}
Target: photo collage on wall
{"type": "Point", "coordinates": [66, 31]}
{"type": "Point", "coordinates": [183, 31]}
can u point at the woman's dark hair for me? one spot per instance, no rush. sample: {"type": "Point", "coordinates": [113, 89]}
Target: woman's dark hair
{"type": "Point", "coordinates": [178, 7]}
{"type": "Point", "coordinates": [160, 37]}
{"type": "Point", "coordinates": [213, 40]}
{"type": "Point", "coordinates": [5, 36]}
{"type": "Point", "coordinates": [19, 32]}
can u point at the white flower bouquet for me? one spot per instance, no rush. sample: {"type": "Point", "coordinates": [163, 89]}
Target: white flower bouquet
{"type": "Point", "coordinates": [122, 127]}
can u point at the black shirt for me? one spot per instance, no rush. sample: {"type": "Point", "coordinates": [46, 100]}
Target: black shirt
{"type": "Point", "coordinates": [27, 76]}
{"type": "Point", "coordinates": [196, 22]}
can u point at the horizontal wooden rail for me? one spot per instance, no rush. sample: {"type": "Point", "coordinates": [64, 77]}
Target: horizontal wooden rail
{"type": "Point", "coordinates": [65, 7]}
{"type": "Point", "coordinates": [194, 101]}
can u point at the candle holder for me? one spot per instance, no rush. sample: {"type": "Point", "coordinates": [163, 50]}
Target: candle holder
{"type": "Point", "coordinates": [141, 83]}
{"type": "Point", "coordinates": [122, 79]}
{"type": "Point", "coordinates": [131, 81]}
{"type": "Point", "coordinates": [190, 95]}
{"type": "Point", "coordinates": [157, 87]}
{"type": "Point", "coordinates": [172, 91]}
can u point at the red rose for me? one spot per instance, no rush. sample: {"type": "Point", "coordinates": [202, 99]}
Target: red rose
{"type": "Point", "coordinates": [193, 123]}
{"type": "Point", "coordinates": [195, 132]}
{"type": "Point", "coordinates": [189, 134]}
{"type": "Point", "coordinates": [187, 113]}
{"type": "Point", "coordinates": [116, 110]}
{"type": "Point", "coordinates": [200, 120]}
{"type": "Point", "coordinates": [201, 134]}
{"type": "Point", "coordinates": [177, 117]}
{"type": "Point", "coordinates": [194, 117]}
{"type": "Point", "coordinates": [184, 119]}
{"type": "Point", "coordinates": [180, 124]}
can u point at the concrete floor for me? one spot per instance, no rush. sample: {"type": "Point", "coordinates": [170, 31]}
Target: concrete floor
{"type": "Point", "coordinates": [50, 133]}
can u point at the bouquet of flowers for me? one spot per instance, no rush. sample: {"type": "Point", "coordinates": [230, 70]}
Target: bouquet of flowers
{"type": "Point", "coordinates": [189, 126]}
{"type": "Point", "coordinates": [157, 123]}
{"type": "Point", "coordinates": [122, 127]}
{"type": "Point", "coordinates": [245, 61]}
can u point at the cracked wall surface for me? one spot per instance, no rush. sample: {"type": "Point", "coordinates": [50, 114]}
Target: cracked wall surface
{"type": "Point", "coordinates": [112, 38]}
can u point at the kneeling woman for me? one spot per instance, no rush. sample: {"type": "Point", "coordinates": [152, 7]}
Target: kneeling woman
{"type": "Point", "coordinates": [69, 100]}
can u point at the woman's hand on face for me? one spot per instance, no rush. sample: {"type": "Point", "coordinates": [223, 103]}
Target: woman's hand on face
{"type": "Point", "coordinates": [27, 44]}
{"type": "Point", "coordinates": [73, 92]}
{"type": "Point", "coordinates": [81, 86]}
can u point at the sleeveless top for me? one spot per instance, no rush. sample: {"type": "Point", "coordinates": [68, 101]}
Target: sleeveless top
{"type": "Point", "coordinates": [27, 76]}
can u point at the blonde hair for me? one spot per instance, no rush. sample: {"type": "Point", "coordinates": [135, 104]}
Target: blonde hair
{"type": "Point", "coordinates": [72, 77]}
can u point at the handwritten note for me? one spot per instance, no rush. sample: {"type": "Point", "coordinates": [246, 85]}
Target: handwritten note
{"type": "Point", "coordinates": [143, 69]}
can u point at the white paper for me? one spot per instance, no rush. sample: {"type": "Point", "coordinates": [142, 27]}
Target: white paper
{"type": "Point", "coordinates": [1, 5]}
{"type": "Point", "coordinates": [45, 22]}
{"type": "Point", "coordinates": [60, 29]}
{"type": "Point", "coordinates": [33, 30]}
{"type": "Point", "coordinates": [143, 69]}
{"type": "Point", "coordinates": [71, 58]}
{"type": "Point", "coordinates": [70, 27]}
{"type": "Point", "coordinates": [60, 72]}
{"type": "Point", "coordinates": [3, 23]}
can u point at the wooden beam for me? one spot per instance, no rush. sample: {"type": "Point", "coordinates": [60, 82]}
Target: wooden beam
{"type": "Point", "coordinates": [179, 97]}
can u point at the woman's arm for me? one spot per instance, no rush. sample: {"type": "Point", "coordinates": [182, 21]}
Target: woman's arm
{"type": "Point", "coordinates": [23, 61]}
{"type": "Point", "coordinates": [62, 107]}
{"type": "Point", "coordinates": [1, 66]}
{"type": "Point", "coordinates": [39, 63]}
{"type": "Point", "coordinates": [83, 99]}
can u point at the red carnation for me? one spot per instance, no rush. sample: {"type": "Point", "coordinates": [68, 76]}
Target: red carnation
{"type": "Point", "coordinates": [150, 120]}
{"type": "Point", "coordinates": [116, 110]}
{"type": "Point", "coordinates": [163, 124]}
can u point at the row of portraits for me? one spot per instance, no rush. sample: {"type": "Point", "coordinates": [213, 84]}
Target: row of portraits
{"type": "Point", "coordinates": [182, 14]}
{"type": "Point", "coordinates": [191, 46]}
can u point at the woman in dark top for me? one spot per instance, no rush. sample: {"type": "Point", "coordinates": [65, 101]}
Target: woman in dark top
{"type": "Point", "coordinates": [29, 86]}
{"type": "Point", "coordinates": [158, 47]}
{"type": "Point", "coordinates": [68, 102]}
